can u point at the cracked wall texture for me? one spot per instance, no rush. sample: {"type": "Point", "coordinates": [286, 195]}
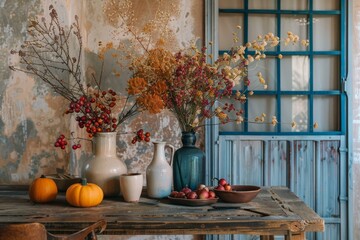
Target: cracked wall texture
{"type": "Point", "coordinates": [31, 114]}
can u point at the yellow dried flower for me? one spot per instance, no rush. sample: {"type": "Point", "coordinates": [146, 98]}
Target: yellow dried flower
{"type": "Point", "coordinates": [239, 119]}
{"type": "Point", "coordinates": [274, 121]}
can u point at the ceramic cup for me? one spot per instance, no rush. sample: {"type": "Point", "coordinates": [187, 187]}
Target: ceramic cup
{"type": "Point", "coordinates": [131, 185]}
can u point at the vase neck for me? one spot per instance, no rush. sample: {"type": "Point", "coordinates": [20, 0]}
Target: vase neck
{"type": "Point", "coordinates": [105, 144]}
{"type": "Point", "coordinates": [159, 151]}
{"type": "Point", "coordinates": [188, 138]}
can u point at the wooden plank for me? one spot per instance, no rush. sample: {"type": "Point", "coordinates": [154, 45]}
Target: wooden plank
{"type": "Point", "coordinates": [265, 215]}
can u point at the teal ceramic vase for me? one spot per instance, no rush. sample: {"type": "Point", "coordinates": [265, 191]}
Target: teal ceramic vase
{"type": "Point", "coordinates": [188, 164]}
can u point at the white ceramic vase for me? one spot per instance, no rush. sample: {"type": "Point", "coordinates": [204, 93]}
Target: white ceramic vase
{"type": "Point", "coordinates": [105, 168]}
{"type": "Point", "coordinates": [159, 173]}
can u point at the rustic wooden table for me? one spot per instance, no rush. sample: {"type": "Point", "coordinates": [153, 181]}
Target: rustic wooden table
{"type": "Point", "coordinates": [275, 211]}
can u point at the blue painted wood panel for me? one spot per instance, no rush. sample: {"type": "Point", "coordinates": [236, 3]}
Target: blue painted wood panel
{"type": "Point", "coordinates": [310, 168]}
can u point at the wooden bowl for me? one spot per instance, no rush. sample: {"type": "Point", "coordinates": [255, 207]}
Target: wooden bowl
{"type": "Point", "coordinates": [239, 193]}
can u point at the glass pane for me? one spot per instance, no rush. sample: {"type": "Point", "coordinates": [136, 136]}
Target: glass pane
{"type": "Point", "coordinates": [231, 4]}
{"type": "Point", "coordinates": [295, 73]}
{"type": "Point", "coordinates": [257, 106]}
{"type": "Point", "coordinates": [326, 5]}
{"type": "Point", "coordinates": [326, 113]}
{"type": "Point", "coordinates": [326, 33]}
{"type": "Point", "coordinates": [294, 109]}
{"type": "Point", "coordinates": [227, 26]}
{"type": "Point", "coordinates": [329, 79]}
{"type": "Point", "coordinates": [294, 5]}
{"type": "Point", "coordinates": [262, 4]}
{"type": "Point", "coordinates": [267, 67]}
{"type": "Point", "coordinates": [231, 126]}
{"type": "Point", "coordinates": [260, 25]}
{"type": "Point", "coordinates": [298, 24]}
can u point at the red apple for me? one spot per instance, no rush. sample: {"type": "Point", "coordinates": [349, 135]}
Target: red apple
{"type": "Point", "coordinates": [173, 193]}
{"type": "Point", "coordinates": [203, 194]}
{"type": "Point", "coordinates": [220, 187]}
{"type": "Point", "coordinates": [186, 190]}
{"type": "Point", "coordinates": [180, 195]}
{"type": "Point", "coordinates": [202, 186]}
{"type": "Point", "coordinates": [211, 194]}
{"type": "Point", "coordinates": [191, 195]}
{"type": "Point", "coordinates": [222, 181]}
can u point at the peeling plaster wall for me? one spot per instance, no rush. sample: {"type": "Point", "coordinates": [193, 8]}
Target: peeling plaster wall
{"type": "Point", "coordinates": [31, 114]}
{"type": "Point", "coordinates": [356, 114]}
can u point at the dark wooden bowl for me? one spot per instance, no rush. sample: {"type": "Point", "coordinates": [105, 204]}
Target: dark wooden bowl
{"type": "Point", "coordinates": [239, 193]}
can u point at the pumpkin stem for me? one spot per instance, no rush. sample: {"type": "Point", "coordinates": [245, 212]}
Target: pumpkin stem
{"type": "Point", "coordinates": [42, 176]}
{"type": "Point", "coordinates": [83, 181]}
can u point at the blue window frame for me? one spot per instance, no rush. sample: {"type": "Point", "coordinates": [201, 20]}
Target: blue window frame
{"type": "Point", "coordinates": [320, 97]}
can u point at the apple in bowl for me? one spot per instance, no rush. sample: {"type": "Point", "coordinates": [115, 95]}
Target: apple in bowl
{"type": "Point", "coordinates": [235, 193]}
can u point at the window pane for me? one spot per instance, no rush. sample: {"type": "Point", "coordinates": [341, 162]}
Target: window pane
{"type": "Point", "coordinates": [326, 5]}
{"type": "Point", "coordinates": [231, 126]}
{"type": "Point", "coordinates": [231, 4]}
{"type": "Point", "coordinates": [326, 33]}
{"type": "Point", "coordinates": [294, 5]}
{"type": "Point", "coordinates": [227, 26]}
{"type": "Point", "coordinates": [294, 108]}
{"type": "Point", "coordinates": [295, 71]}
{"type": "Point", "coordinates": [327, 113]}
{"type": "Point", "coordinates": [262, 4]}
{"type": "Point", "coordinates": [267, 67]}
{"type": "Point", "coordinates": [297, 24]}
{"type": "Point", "coordinates": [260, 25]}
{"type": "Point", "coordinates": [329, 79]}
{"type": "Point", "coordinates": [257, 106]}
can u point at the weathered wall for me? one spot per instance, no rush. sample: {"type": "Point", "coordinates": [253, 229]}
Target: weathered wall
{"type": "Point", "coordinates": [355, 65]}
{"type": "Point", "coordinates": [31, 115]}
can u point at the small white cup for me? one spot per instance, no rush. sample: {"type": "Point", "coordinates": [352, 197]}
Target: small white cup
{"type": "Point", "coordinates": [131, 185]}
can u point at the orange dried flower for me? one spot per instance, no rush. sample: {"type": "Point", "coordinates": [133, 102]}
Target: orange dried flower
{"type": "Point", "coordinates": [152, 102]}
{"type": "Point", "coordinates": [159, 87]}
{"type": "Point", "coordinates": [136, 85]}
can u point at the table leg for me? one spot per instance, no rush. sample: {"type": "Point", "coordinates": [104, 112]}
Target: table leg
{"type": "Point", "coordinates": [295, 236]}
{"type": "Point", "coordinates": [267, 237]}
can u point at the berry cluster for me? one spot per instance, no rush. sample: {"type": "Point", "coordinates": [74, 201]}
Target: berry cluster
{"type": "Point", "coordinates": [94, 112]}
{"type": "Point", "coordinates": [61, 143]}
{"type": "Point", "coordinates": [141, 136]}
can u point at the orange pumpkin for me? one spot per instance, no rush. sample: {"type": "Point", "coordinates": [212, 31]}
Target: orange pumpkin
{"type": "Point", "coordinates": [84, 194]}
{"type": "Point", "coordinates": [43, 190]}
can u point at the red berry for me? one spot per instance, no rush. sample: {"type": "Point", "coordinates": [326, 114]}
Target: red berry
{"type": "Point", "coordinates": [140, 132]}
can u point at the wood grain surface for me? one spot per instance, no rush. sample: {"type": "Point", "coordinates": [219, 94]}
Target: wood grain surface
{"type": "Point", "coordinates": [275, 211]}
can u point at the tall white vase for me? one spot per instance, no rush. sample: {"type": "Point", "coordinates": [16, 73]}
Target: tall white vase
{"type": "Point", "coordinates": [106, 167]}
{"type": "Point", "coordinates": [159, 173]}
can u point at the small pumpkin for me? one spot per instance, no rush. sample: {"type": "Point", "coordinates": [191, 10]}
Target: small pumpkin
{"type": "Point", "coordinates": [84, 194]}
{"type": "Point", "coordinates": [43, 190]}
